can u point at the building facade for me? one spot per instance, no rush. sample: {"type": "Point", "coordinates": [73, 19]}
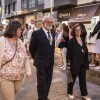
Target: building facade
{"type": "Point", "coordinates": [32, 11]}
{"type": "Point", "coordinates": [2, 9]}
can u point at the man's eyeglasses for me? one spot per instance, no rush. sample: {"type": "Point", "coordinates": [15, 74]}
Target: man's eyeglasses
{"type": "Point", "coordinates": [49, 22]}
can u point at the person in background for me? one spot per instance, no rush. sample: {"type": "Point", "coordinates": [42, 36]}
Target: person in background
{"type": "Point", "coordinates": [25, 32]}
{"type": "Point", "coordinates": [63, 45]}
{"type": "Point", "coordinates": [97, 47]}
{"type": "Point", "coordinates": [92, 52]}
{"type": "Point", "coordinates": [30, 33]}
{"type": "Point", "coordinates": [77, 62]}
{"type": "Point", "coordinates": [14, 63]}
{"type": "Point", "coordinates": [31, 30]}
{"type": "Point", "coordinates": [42, 47]}
{"type": "Point", "coordinates": [58, 41]}
{"type": "Point", "coordinates": [61, 30]}
{"type": "Point", "coordinates": [57, 33]}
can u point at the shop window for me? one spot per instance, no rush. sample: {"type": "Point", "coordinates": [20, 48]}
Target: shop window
{"type": "Point", "coordinates": [24, 4]}
{"type": "Point", "coordinates": [5, 9]}
{"type": "Point", "coordinates": [14, 6]}
{"type": "Point", "coordinates": [31, 3]}
{"type": "Point", "coordinates": [9, 9]}
{"type": "Point", "coordinates": [40, 1]}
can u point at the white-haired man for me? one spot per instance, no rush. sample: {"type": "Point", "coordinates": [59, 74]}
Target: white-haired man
{"type": "Point", "coordinates": [42, 51]}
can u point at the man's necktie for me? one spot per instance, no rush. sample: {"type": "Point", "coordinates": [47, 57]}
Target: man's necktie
{"type": "Point", "coordinates": [49, 36]}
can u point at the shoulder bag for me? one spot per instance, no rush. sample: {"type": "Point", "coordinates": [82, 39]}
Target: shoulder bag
{"type": "Point", "coordinates": [12, 57]}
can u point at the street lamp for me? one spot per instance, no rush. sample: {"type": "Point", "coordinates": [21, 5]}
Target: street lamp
{"type": "Point", "coordinates": [51, 8]}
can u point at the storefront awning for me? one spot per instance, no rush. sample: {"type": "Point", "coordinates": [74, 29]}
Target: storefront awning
{"type": "Point", "coordinates": [83, 14]}
{"type": "Point", "coordinates": [98, 11]}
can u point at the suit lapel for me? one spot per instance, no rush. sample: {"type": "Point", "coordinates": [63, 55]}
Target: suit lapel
{"type": "Point", "coordinates": [44, 35]}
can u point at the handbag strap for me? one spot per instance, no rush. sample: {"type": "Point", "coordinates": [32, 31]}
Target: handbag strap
{"type": "Point", "coordinates": [12, 57]}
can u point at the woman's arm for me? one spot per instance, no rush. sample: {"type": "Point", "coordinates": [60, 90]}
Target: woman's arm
{"type": "Point", "coordinates": [27, 68]}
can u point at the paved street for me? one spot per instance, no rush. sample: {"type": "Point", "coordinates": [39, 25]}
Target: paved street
{"type": "Point", "coordinates": [53, 21]}
{"type": "Point", "coordinates": [58, 89]}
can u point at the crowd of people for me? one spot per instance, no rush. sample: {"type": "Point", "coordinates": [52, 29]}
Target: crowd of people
{"type": "Point", "coordinates": [20, 42]}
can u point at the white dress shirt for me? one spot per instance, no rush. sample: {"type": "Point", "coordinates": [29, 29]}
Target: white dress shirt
{"type": "Point", "coordinates": [46, 33]}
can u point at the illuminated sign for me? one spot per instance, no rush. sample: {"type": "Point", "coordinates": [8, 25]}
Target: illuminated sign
{"type": "Point", "coordinates": [80, 16]}
{"type": "Point", "coordinates": [64, 15]}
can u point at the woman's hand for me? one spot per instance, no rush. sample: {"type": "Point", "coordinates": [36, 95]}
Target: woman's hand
{"type": "Point", "coordinates": [28, 77]}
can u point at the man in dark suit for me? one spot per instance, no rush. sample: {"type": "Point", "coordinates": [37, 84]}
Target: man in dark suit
{"type": "Point", "coordinates": [42, 51]}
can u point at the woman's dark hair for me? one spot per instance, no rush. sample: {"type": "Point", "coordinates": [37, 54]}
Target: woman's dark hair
{"type": "Point", "coordinates": [26, 26]}
{"type": "Point", "coordinates": [66, 30]}
{"type": "Point", "coordinates": [84, 32]}
{"type": "Point", "coordinates": [74, 27]}
{"type": "Point", "coordinates": [12, 28]}
{"type": "Point", "coordinates": [83, 28]}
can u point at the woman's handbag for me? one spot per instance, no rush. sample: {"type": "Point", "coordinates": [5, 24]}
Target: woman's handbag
{"type": "Point", "coordinates": [12, 57]}
{"type": "Point", "coordinates": [69, 76]}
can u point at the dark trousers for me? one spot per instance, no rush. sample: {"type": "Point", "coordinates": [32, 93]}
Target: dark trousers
{"type": "Point", "coordinates": [82, 82]}
{"type": "Point", "coordinates": [44, 78]}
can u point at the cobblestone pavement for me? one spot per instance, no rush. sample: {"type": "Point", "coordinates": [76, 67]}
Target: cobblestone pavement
{"type": "Point", "coordinates": [58, 88]}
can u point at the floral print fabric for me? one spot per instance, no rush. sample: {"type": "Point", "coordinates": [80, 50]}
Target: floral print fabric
{"type": "Point", "coordinates": [15, 68]}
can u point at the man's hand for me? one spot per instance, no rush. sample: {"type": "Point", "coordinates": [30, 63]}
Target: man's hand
{"type": "Point", "coordinates": [28, 77]}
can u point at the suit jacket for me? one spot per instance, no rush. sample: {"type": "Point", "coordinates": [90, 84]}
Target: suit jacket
{"type": "Point", "coordinates": [41, 50]}
{"type": "Point", "coordinates": [74, 56]}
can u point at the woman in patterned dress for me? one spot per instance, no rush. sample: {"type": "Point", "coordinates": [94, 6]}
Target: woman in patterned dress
{"type": "Point", "coordinates": [13, 61]}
